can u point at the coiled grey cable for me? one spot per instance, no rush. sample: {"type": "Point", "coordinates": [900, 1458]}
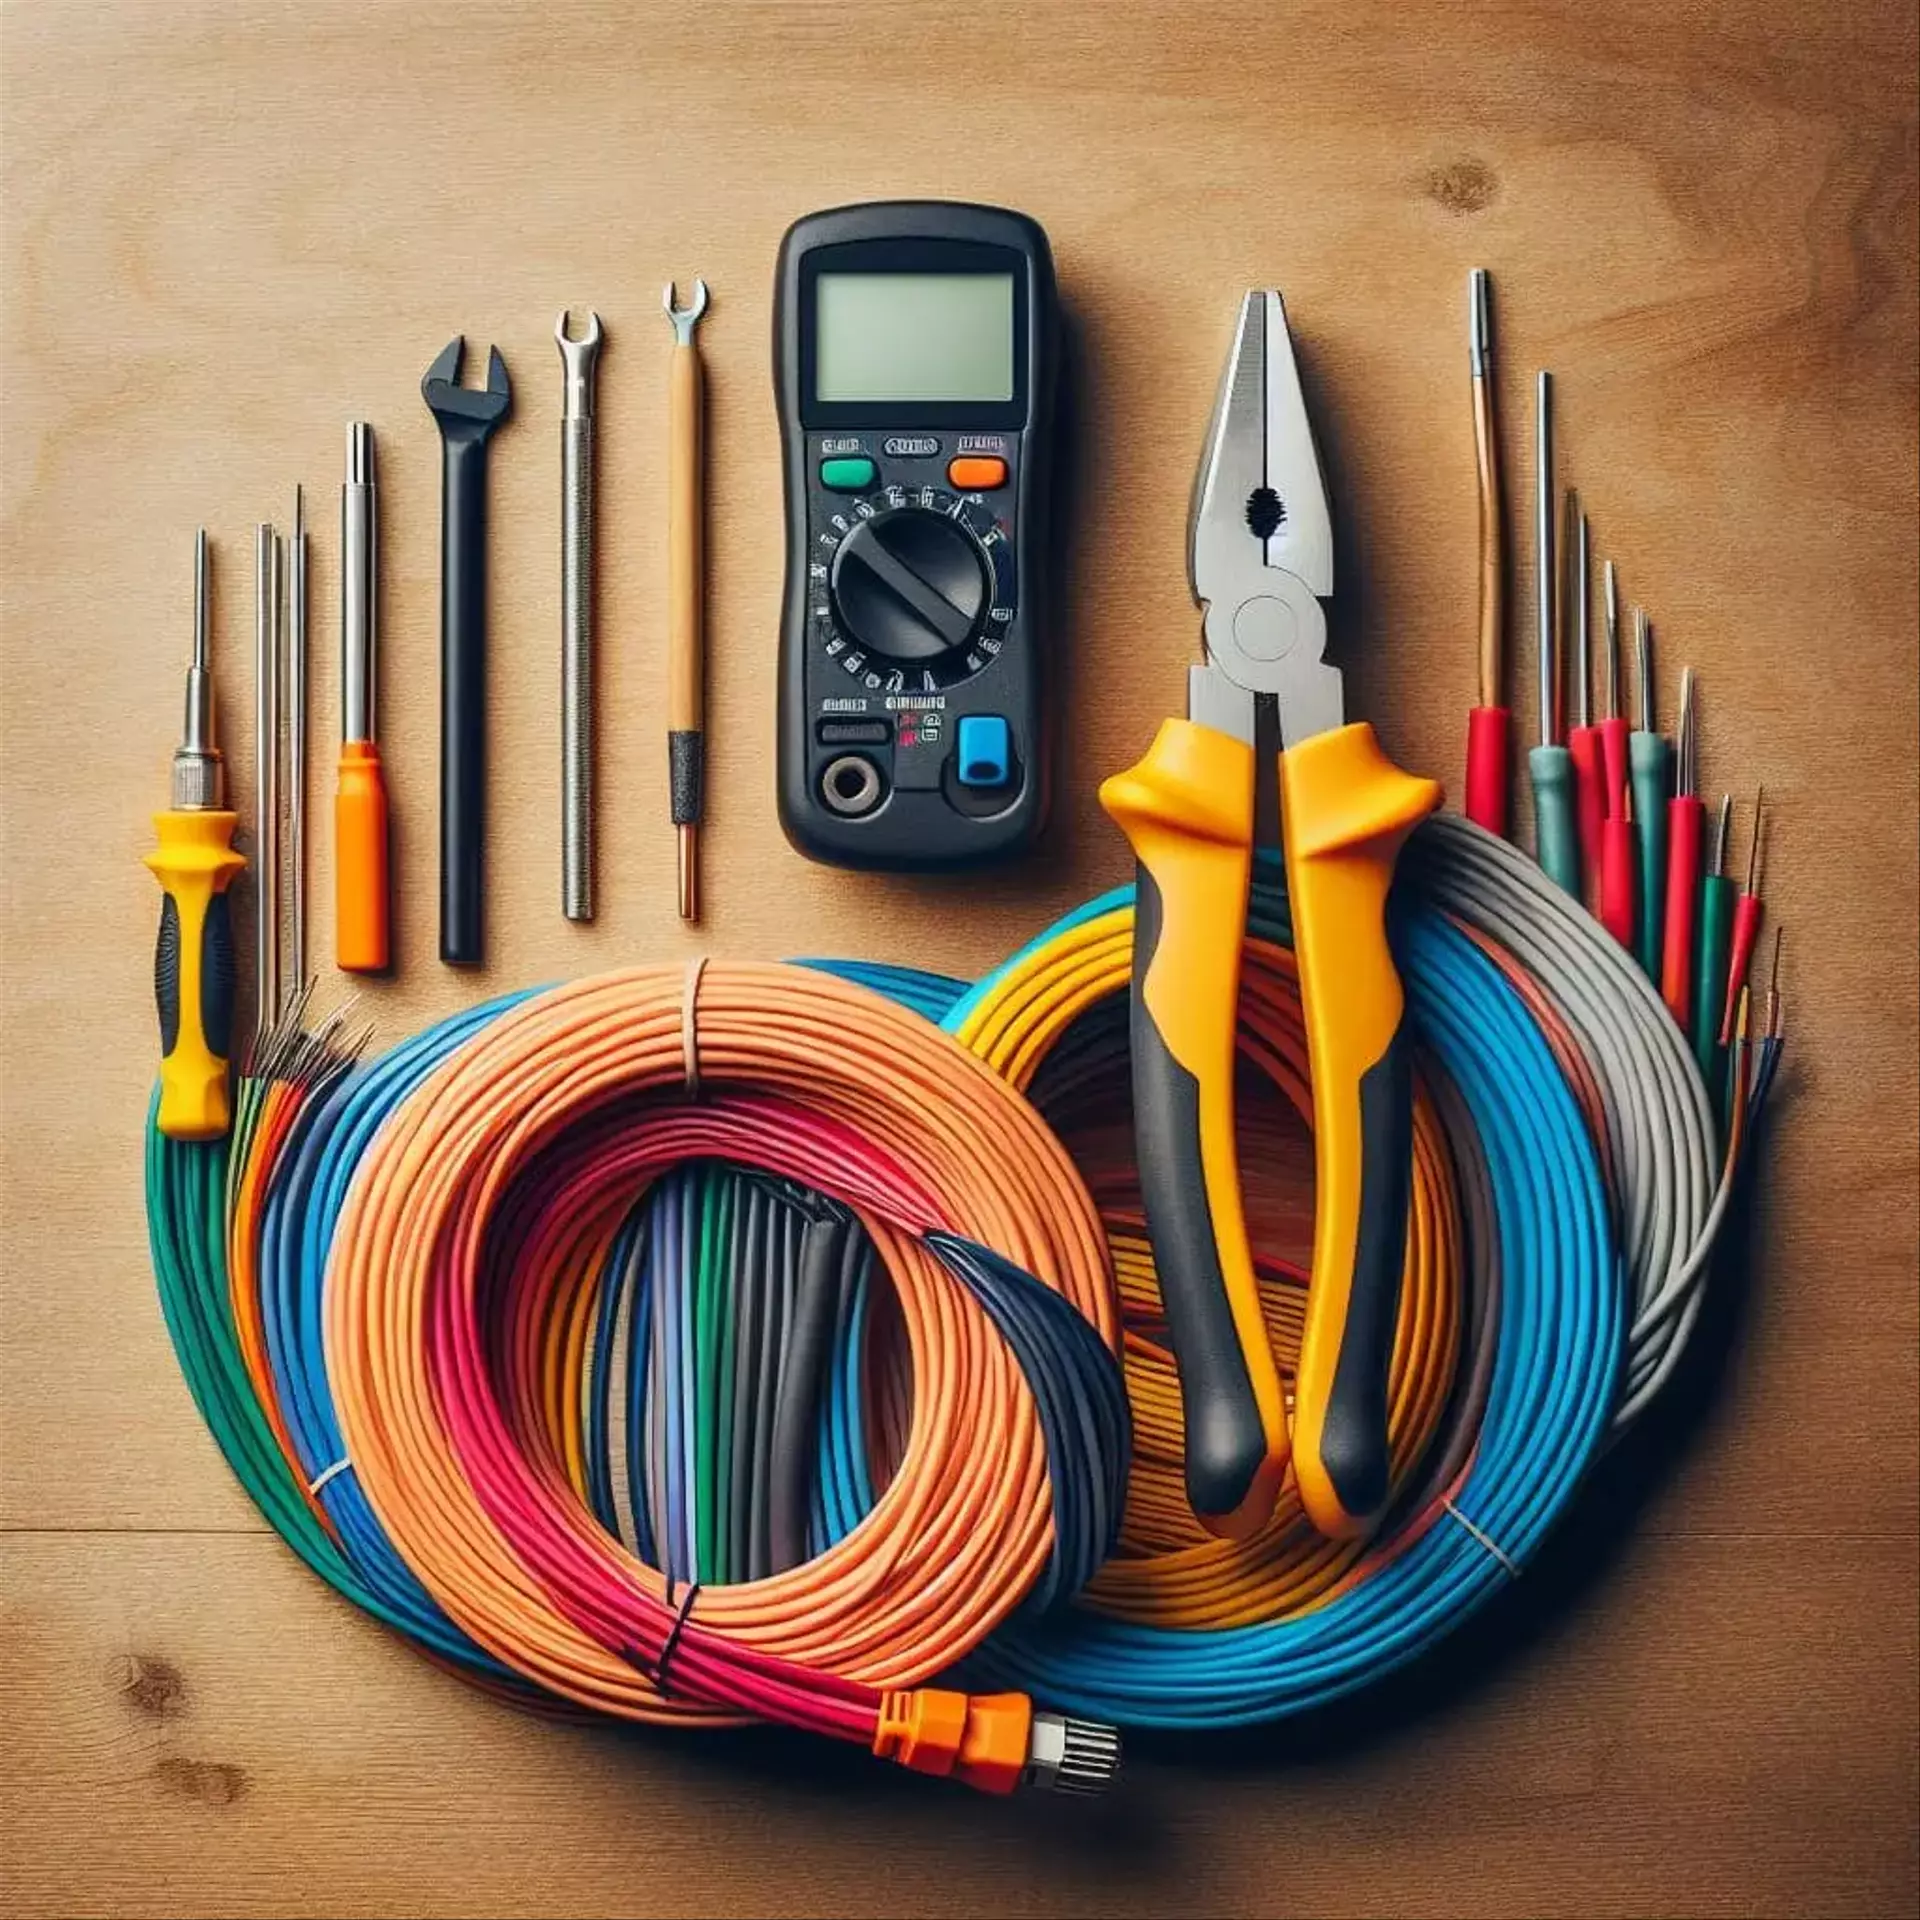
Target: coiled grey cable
{"type": "Point", "coordinates": [1671, 1185]}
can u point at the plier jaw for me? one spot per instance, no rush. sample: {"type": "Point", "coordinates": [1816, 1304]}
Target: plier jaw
{"type": "Point", "coordinates": [1260, 542]}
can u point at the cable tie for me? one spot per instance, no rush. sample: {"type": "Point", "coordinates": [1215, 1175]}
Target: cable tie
{"type": "Point", "coordinates": [690, 1026]}
{"type": "Point", "coordinates": [1486, 1540]}
{"type": "Point", "coordinates": [662, 1669]}
{"type": "Point", "coordinates": [328, 1474]}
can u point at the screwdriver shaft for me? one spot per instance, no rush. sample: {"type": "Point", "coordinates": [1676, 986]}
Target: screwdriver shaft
{"type": "Point", "coordinates": [358, 565]}
{"type": "Point", "coordinates": [196, 735]}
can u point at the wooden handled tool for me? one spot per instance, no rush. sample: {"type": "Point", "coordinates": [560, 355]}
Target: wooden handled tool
{"type": "Point", "coordinates": [686, 661]}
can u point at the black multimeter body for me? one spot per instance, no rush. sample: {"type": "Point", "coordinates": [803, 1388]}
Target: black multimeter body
{"type": "Point", "coordinates": [914, 360]}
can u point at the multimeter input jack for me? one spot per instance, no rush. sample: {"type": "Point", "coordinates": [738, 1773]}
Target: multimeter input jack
{"type": "Point", "coordinates": [852, 785]}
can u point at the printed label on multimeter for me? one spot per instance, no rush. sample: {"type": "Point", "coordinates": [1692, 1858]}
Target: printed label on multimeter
{"type": "Point", "coordinates": [915, 351]}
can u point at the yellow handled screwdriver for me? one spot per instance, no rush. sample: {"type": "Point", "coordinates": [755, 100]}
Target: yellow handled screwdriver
{"type": "Point", "coordinates": [193, 971]}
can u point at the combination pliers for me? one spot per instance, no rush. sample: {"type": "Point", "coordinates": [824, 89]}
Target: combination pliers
{"type": "Point", "coordinates": [1261, 556]}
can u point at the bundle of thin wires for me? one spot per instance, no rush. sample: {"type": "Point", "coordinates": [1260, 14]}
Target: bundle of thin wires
{"type": "Point", "coordinates": [746, 1349]}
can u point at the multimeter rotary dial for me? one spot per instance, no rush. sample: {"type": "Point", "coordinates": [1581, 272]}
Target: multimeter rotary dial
{"type": "Point", "coordinates": [913, 588]}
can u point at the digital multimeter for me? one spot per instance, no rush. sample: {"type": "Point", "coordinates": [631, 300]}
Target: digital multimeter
{"type": "Point", "coordinates": [914, 350]}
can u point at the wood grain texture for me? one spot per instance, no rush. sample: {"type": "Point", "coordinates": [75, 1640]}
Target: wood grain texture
{"type": "Point", "coordinates": [229, 228]}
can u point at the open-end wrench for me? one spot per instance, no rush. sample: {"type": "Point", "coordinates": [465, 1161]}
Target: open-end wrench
{"type": "Point", "coordinates": [467, 419]}
{"type": "Point", "coordinates": [576, 618]}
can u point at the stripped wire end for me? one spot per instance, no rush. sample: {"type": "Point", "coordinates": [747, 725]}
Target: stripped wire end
{"type": "Point", "coordinates": [1687, 739]}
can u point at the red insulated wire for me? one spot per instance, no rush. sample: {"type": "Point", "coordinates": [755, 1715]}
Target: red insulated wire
{"type": "Point", "coordinates": [1746, 921]}
{"type": "Point", "coordinates": [1590, 801]}
{"type": "Point", "coordinates": [1619, 862]}
{"type": "Point", "coordinates": [1489, 725]}
{"type": "Point", "coordinates": [1686, 828]}
{"type": "Point", "coordinates": [1489, 767]}
{"type": "Point", "coordinates": [1613, 732]}
{"type": "Point", "coordinates": [1614, 762]}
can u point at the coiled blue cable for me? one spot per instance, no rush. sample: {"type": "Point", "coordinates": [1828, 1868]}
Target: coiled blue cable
{"type": "Point", "coordinates": [1562, 1336]}
{"type": "Point", "coordinates": [297, 1228]}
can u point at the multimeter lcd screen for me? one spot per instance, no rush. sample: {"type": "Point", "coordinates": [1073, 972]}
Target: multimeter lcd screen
{"type": "Point", "coordinates": [913, 336]}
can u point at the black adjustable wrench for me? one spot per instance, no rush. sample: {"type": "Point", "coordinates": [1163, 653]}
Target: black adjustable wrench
{"type": "Point", "coordinates": [467, 418]}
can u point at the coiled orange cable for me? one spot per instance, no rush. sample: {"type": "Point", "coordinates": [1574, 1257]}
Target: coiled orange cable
{"type": "Point", "coordinates": [961, 1531]}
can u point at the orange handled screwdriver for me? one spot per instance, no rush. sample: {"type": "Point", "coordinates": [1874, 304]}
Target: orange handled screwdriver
{"type": "Point", "coordinates": [360, 826]}
{"type": "Point", "coordinates": [193, 970]}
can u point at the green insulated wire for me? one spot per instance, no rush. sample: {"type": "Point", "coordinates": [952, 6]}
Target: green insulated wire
{"type": "Point", "coordinates": [1713, 937]}
{"type": "Point", "coordinates": [186, 1227]}
{"type": "Point", "coordinates": [1550, 765]}
{"type": "Point", "coordinates": [1555, 823]}
{"type": "Point", "coordinates": [1650, 771]}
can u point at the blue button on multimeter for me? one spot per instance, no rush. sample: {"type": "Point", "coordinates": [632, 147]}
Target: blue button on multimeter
{"type": "Point", "coordinates": [985, 751]}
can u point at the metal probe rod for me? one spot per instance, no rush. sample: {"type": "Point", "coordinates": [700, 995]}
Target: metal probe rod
{"type": "Point", "coordinates": [266, 775]}
{"type": "Point", "coordinates": [576, 617]}
{"type": "Point", "coordinates": [1612, 615]}
{"type": "Point", "coordinates": [1544, 570]}
{"type": "Point", "coordinates": [1486, 451]}
{"type": "Point", "coordinates": [1577, 593]}
{"type": "Point", "coordinates": [297, 735]}
{"type": "Point", "coordinates": [1687, 753]}
{"type": "Point", "coordinates": [686, 637]}
{"type": "Point", "coordinates": [1643, 666]}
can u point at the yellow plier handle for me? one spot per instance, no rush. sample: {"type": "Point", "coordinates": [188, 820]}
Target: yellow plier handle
{"type": "Point", "coordinates": [1187, 809]}
{"type": "Point", "coordinates": [1345, 813]}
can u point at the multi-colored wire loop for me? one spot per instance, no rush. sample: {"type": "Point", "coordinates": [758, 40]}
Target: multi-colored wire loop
{"type": "Point", "coordinates": [783, 1342]}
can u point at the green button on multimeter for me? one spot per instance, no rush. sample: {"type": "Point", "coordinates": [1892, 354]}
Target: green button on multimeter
{"type": "Point", "coordinates": [914, 349]}
{"type": "Point", "coordinates": [847, 475]}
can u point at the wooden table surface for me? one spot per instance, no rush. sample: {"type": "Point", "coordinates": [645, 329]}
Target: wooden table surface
{"type": "Point", "coordinates": [230, 228]}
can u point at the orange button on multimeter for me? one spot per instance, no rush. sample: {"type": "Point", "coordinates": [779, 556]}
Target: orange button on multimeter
{"type": "Point", "coordinates": [977, 473]}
